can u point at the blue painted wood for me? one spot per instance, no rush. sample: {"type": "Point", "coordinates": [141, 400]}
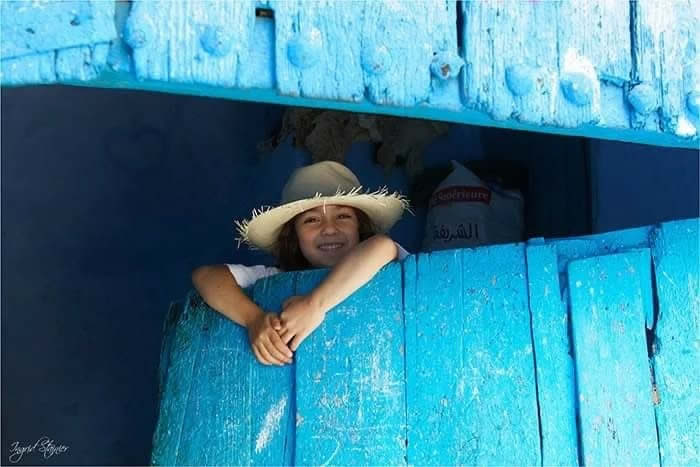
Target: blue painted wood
{"type": "Point", "coordinates": [466, 392]}
{"type": "Point", "coordinates": [537, 66]}
{"type": "Point", "coordinates": [186, 346]}
{"type": "Point", "coordinates": [676, 357]}
{"type": "Point", "coordinates": [172, 317]}
{"type": "Point", "coordinates": [215, 430]}
{"type": "Point", "coordinates": [350, 379]}
{"type": "Point", "coordinates": [541, 62]}
{"type": "Point", "coordinates": [437, 389]}
{"type": "Point", "coordinates": [351, 50]}
{"type": "Point", "coordinates": [272, 388]}
{"type": "Point", "coordinates": [667, 69]}
{"type": "Point", "coordinates": [473, 398]}
{"type": "Point", "coordinates": [555, 372]}
{"type": "Point", "coordinates": [43, 42]}
{"type": "Point", "coordinates": [612, 367]}
{"type": "Point", "coordinates": [191, 41]}
{"type": "Point", "coordinates": [31, 27]}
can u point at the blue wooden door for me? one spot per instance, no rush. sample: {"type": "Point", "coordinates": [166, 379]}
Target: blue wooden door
{"type": "Point", "coordinates": [550, 352]}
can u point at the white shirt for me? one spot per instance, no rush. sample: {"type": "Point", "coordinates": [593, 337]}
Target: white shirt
{"type": "Point", "coordinates": [246, 276]}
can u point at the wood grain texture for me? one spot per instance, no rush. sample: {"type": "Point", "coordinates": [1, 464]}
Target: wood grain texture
{"type": "Point", "coordinates": [541, 62]}
{"type": "Point", "coordinates": [555, 370]}
{"type": "Point", "coordinates": [667, 61]}
{"type": "Point", "coordinates": [612, 366]}
{"type": "Point", "coordinates": [676, 358]}
{"type": "Point", "coordinates": [350, 378]}
{"type": "Point", "coordinates": [191, 41]}
{"type": "Point", "coordinates": [473, 399]}
{"type": "Point", "coordinates": [186, 346]}
{"type": "Point", "coordinates": [30, 28]}
{"type": "Point", "coordinates": [350, 51]}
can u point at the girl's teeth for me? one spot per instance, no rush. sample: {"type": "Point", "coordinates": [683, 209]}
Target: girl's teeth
{"type": "Point", "coordinates": [331, 246]}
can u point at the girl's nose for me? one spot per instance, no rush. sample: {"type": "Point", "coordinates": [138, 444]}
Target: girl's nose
{"type": "Point", "coordinates": [328, 227]}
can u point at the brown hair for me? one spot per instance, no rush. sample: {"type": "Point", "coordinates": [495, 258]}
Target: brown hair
{"type": "Point", "coordinates": [289, 255]}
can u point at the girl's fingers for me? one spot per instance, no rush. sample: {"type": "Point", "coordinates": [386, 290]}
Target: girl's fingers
{"type": "Point", "coordinates": [286, 336]}
{"type": "Point", "coordinates": [277, 354]}
{"type": "Point", "coordinates": [298, 339]}
{"type": "Point", "coordinates": [281, 347]}
{"type": "Point", "coordinates": [266, 355]}
{"type": "Point", "coordinates": [258, 356]}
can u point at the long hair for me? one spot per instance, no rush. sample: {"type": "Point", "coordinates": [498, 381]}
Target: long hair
{"type": "Point", "coordinates": [289, 254]}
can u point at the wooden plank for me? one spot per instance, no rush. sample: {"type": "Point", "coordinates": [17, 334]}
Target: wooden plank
{"type": "Point", "coordinates": [585, 31]}
{"type": "Point", "coordinates": [350, 378]}
{"type": "Point", "coordinates": [350, 51]}
{"type": "Point", "coordinates": [474, 352]}
{"type": "Point", "coordinates": [676, 353]}
{"type": "Point", "coordinates": [667, 64]}
{"type": "Point", "coordinates": [436, 389]}
{"type": "Point", "coordinates": [81, 63]}
{"type": "Point", "coordinates": [187, 343]}
{"type": "Point", "coordinates": [510, 54]}
{"type": "Point", "coordinates": [498, 355]}
{"type": "Point", "coordinates": [272, 388]}
{"type": "Point", "coordinates": [317, 49]}
{"type": "Point", "coordinates": [172, 317]}
{"type": "Point", "coordinates": [555, 372]}
{"type": "Point", "coordinates": [399, 40]}
{"type": "Point", "coordinates": [191, 41]}
{"type": "Point", "coordinates": [612, 367]}
{"type": "Point", "coordinates": [34, 69]}
{"type": "Point", "coordinates": [35, 27]}
{"type": "Point", "coordinates": [217, 424]}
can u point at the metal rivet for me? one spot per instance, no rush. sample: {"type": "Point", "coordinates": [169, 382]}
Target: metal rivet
{"type": "Point", "coordinates": [137, 32]}
{"type": "Point", "coordinates": [304, 51]}
{"type": "Point", "coordinates": [376, 60]}
{"type": "Point", "coordinates": [216, 41]}
{"type": "Point", "coordinates": [692, 101]}
{"type": "Point", "coordinates": [520, 79]}
{"type": "Point", "coordinates": [446, 65]}
{"type": "Point", "coordinates": [577, 87]}
{"type": "Point", "coordinates": [643, 99]}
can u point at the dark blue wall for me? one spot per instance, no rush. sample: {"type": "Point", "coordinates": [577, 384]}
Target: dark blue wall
{"type": "Point", "coordinates": [111, 198]}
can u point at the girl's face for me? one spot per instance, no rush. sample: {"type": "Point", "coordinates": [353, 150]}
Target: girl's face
{"type": "Point", "coordinates": [326, 234]}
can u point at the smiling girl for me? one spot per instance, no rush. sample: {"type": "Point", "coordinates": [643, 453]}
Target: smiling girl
{"type": "Point", "coordinates": [323, 221]}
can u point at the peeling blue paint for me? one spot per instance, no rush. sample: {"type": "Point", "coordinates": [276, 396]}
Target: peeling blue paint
{"type": "Point", "coordinates": [466, 361]}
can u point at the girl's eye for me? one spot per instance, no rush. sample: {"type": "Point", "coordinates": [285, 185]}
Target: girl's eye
{"type": "Point", "coordinates": [310, 220]}
{"type": "Point", "coordinates": [344, 216]}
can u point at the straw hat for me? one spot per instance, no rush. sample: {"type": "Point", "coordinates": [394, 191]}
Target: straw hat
{"type": "Point", "coordinates": [315, 185]}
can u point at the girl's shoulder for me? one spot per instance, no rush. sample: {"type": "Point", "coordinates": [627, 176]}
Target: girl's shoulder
{"type": "Point", "coordinates": [246, 276]}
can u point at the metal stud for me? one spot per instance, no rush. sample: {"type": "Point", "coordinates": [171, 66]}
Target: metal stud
{"type": "Point", "coordinates": [216, 41]}
{"type": "Point", "coordinates": [304, 50]}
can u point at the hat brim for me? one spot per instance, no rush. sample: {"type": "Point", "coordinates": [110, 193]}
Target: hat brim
{"type": "Point", "coordinates": [384, 209]}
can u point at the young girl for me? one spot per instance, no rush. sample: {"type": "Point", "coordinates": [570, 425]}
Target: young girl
{"type": "Point", "coordinates": [323, 221]}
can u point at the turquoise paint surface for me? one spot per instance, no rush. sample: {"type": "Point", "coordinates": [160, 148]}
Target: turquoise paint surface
{"type": "Point", "coordinates": [542, 66]}
{"type": "Point", "coordinates": [459, 356]}
{"type": "Point", "coordinates": [612, 367]}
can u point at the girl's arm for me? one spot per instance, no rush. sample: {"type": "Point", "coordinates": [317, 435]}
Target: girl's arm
{"type": "Point", "coordinates": [303, 314]}
{"type": "Point", "coordinates": [220, 290]}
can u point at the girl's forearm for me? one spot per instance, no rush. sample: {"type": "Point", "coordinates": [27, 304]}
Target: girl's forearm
{"type": "Point", "coordinates": [220, 290]}
{"type": "Point", "coordinates": [356, 269]}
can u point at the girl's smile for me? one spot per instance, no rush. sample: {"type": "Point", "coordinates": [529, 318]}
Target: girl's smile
{"type": "Point", "coordinates": [327, 233]}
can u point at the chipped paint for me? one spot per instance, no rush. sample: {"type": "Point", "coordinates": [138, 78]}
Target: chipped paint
{"type": "Point", "coordinates": [271, 424]}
